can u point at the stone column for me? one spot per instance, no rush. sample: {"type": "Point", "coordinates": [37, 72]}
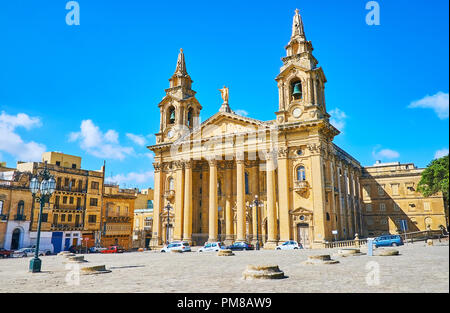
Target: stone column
{"type": "Point", "coordinates": [254, 185]}
{"type": "Point", "coordinates": [283, 194]}
{"type": "Point", "coordinates": [213, 204]}
{"type": "Point", "coordinates": [333, 197]}
{"type": "Point", "coordinates": [318, 192]}
{"type": "Point", "coordinates": [310, 97]}
{"type": "Point", "coordinates": [271, 208]}
{"type": "Point", "coordinates": [316, 85]}
{"type": "Point", "coordinates": [187, 227]}
{"type": "Point", "coordinates": [205, 199]}
{"type": "Point", "coordinates": [157, 205]}
{"type": "Point", "coordinates": [229, 237]}
{"type": "Point", "coordinates": [240, 200]}
{"type": "Point", "coordinates": [179, 199]}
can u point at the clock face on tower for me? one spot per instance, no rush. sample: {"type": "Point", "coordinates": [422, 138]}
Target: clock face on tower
{"type": "Point", "coordinates": [171, 133]}
{"type": "Point", "coordinates": [297, 112]}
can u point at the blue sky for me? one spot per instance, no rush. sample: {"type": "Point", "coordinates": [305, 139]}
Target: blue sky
{"type": "Point", "coordinates": [92, 90]}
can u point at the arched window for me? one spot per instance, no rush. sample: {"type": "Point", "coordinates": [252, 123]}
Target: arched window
{"type": "Point", "coordinates": [297, 90]}
{"type": "Point", "coordinates": [171, 115]}
{"type": "Point", "coordinates": [301, 173]}
{"type": "Point", "coordinates": [171, 184]}
{"type": "Point", "coordinates": [20, 207]}
{"type": "Point", "coordinates": [190, 118]}
{"type": "Point", "coordinates": [247, 189]}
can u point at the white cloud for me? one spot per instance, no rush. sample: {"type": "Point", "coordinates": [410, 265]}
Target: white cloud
{"type": "Point", "coordinates": [13, 144]}
{"type": "Point", "coordinates": [132, 178]}
{"type": "Point", "coordinates": [338, 118]}
{"type": "Point", "coordinates": [439, 103]}
{"type": "Point", "coordinates": [100, 145]}
{"type": "Point", "coordinates": [385, 154]}
{"type": "Point", "coordinates": [137, 139]}
{"type": "Point", "coordinates": [241, 112]}
{"type": "Point", "coordinates": [441, 153]}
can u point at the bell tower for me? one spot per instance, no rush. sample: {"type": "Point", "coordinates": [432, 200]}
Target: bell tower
{"type": "Point", "coordinates": [179, 109]}
{"type": "Point", "coordinates": [301, 83]}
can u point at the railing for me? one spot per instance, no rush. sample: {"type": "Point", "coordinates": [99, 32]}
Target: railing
{"type": "Point", "coordinates": [67, 226]}
{"type": "Point", "coordinates": [346, 243]}
{"type": "Point", "coordinates": [19, 217]}
{"type": "Point", "coordinates": [117, 219]}
{"type": "Point", "coordinates": [301, 185]}
{"type": "Point", "coordinates": [170, 194]}
{"type": "Point", "coordinates": [71, 189]}
{"type": "Point", "coordinates": [68, 207]}
{"type": "Point", "coordinates": [422, 235]}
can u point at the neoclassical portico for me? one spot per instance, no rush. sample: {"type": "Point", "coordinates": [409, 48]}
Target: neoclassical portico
{"type": "Point", "coordinates": [210, 173]}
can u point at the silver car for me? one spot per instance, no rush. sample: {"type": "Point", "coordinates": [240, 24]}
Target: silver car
{"type": "Point", "coordinates": [25, 252]}
{"type": "Point", "coordinates": [182, 246]}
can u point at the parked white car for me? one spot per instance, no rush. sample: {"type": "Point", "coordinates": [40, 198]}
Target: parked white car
{"type": "Point", "coordinates": [182, 246]}
{"type": "Point", "coordinates": [211, 247]}
{"type": "Point", "coordinates": [289, 245]}
{"type": "Point", "coordinates": [26, 252]}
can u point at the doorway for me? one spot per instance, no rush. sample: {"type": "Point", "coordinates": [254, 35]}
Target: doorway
{"type": "Point", "coordinates": [303, 234]}
{"type": "Point", "coordinates": [15, 240]}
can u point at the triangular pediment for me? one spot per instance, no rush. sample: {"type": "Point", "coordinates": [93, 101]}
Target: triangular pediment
{"type": "Point", "coordinates": [300, 211]}
{"type": "Point", "coordinates": [171, 98]}
{"type": "Point", "coordinates": [286, 72]}
{"type": "Point", "coordinates": [222, 124]}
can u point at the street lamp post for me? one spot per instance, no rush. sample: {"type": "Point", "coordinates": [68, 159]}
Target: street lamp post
{"type": "Point", "coordinates": [168, 207]}
{"type": "Point", "coordinates": [45, 184]}
{"type": "Point", "coordinates": [257, 204]}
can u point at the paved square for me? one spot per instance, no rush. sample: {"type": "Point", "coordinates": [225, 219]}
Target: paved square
{"type": "Point", "coordinates": [417, 269]}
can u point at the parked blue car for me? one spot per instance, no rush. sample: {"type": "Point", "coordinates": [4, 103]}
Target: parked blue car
{"type": "Point", "coordinates": [388, 241]}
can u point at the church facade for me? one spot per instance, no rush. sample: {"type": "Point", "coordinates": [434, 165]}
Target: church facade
{"type": "Point", "coordinates": [234, 178]}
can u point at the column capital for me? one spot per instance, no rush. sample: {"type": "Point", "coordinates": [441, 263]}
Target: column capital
{"type": "Point", "coordinates": [283, 152]}
{"type": "Point", "coordinates": [157, 166]}
{"type": "Point", "coordinates": [188, 164]}
{"type": "Point", "coordinates": [178, 164]}
{"type": "Point", "coordinates": [212, 163]}
{"type": "Point", "coordinates": [240, 162]}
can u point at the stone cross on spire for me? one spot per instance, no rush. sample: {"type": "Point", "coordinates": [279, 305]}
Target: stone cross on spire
{"type": "Point", "coordinates": [181, 64]}
{"type": "Point", "coordinates": [297, 26]}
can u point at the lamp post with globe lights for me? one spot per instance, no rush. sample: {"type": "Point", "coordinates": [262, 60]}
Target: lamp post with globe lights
{"type": "Point", "coordinates": [168, 207]}
{"type": "Point", "coordinates": [44, 184]}
{"type": "Point", "coordinates": [256, 205]}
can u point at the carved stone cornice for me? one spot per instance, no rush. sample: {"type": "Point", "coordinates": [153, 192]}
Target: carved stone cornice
{"type": "Point", "coordinates": [251, 163]}
{"type": "Point", "coordinates": [228, 165]}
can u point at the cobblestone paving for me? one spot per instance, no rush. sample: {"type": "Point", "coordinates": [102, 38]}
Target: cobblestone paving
{"type": "Point", "coordinates": [417, 269]}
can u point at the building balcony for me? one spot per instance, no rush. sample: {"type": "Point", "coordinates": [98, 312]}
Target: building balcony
{"type": "Point", "coordinates": [67, 227]}
{"type": "Point", "coordinates": [328, 187]}
{"type": "Point", "coordinates": [169, 194]}
{"type": "Point", "coordinates": [67, 207]}
{"type": "Point", "coordinates": [70, 189]}
{"type": "Point", "coordinates": [118, 219]}
{"type": "Point", "coordinates": [20, 217]}
{"type": "Point", "coordinates": [301, 186]}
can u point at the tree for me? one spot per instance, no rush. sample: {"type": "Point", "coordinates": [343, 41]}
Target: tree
{"type": "Point", "coordinates": [435, 179]}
